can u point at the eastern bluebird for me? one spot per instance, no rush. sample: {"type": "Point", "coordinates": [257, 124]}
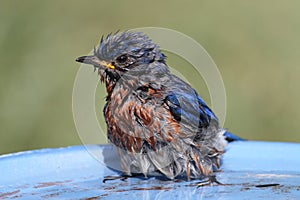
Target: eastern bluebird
{"type": "Point", "coordinates": [157, 121]}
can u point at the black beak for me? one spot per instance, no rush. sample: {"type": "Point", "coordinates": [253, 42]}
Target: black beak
{"type": "Point", "coordinates": [87, 59]}
{"type": "Point", "coordinates": [81, 59]}
{"type": "Point", "coordinates": [94, 60]}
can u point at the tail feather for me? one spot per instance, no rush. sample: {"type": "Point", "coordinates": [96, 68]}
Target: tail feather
{"type": "Point", "coordinates": [232, 138]}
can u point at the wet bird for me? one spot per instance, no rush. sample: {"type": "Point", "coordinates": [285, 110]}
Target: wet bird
{"type": "Point", "coordinates": [157, 122]}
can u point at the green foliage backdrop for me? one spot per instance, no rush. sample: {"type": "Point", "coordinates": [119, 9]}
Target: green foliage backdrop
{"type": "Point", "coordinates": [255, 44]}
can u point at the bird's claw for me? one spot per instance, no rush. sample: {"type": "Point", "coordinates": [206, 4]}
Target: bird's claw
{"type": "Point", "coordinates": [209, 180]}
{"type": "Point", "coordinates": [111, 178]}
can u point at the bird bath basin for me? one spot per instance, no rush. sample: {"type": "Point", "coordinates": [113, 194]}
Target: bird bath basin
{"type": "Point", "coordinates": [250, 170]}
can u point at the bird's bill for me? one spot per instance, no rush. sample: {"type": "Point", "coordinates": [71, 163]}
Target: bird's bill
{"type": "Point", "coordinates": [94, 60]}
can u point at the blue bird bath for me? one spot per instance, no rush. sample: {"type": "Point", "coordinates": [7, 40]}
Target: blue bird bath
{"type": "Point", "coordinates": [250, 170]}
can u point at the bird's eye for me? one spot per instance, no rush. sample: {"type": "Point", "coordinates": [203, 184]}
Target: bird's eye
{"type": "Point", "coordinates": [122, 59]}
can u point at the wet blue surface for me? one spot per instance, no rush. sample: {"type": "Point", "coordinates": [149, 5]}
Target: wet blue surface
{"type": "Point", "coordinates": [77, 173]}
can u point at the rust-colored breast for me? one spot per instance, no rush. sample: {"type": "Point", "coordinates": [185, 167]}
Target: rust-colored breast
{"type": "Point", "coordinates": [137, 121]}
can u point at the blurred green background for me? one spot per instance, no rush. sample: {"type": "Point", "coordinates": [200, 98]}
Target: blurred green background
{"type": "Point", "coordinates": [255, 44]}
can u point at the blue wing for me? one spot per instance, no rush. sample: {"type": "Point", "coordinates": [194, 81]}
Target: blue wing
{"type": "Point", "coordinates": [204, 115]}
{"type": "Point", "coordinates": [190, 108]}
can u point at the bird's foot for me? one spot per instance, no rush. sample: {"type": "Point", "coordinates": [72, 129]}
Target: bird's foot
{"type": "Point", "coordinates": [209, 180]}
{"type": "Point", "coordinates": [112, 178]}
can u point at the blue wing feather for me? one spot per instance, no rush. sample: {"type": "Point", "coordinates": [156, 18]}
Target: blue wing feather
{"type": "Point", "coordinates": [174, 106]}
{"type": "Point", "coordinates": [201, 112]}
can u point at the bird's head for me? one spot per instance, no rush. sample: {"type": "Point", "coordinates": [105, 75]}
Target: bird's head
{"type": "Point", "coordinates": [120, 52]}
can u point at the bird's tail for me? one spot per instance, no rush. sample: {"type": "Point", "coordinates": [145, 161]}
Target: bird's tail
{"type": "Point", "coordinates": [232, 138]}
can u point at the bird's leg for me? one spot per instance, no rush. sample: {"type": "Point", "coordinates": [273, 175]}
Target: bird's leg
{"type": "Point", "coordinates": [209, 180]}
